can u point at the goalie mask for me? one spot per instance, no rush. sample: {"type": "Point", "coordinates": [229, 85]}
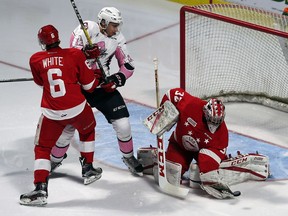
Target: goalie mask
{"type": "Point", "coordinates": [48, 35]}
{"type": "Point", "coordinates": [214, 112]}
{"type": "Point", "coordinates": [107, 15]}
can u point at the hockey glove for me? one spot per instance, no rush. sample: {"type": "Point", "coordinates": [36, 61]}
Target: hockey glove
{"type": "Point", "coordinates": [114, 81]}
{"type": "Point", "coordinates": [91, 51]}
{"type": "Point", "coordinates": [98, 75]}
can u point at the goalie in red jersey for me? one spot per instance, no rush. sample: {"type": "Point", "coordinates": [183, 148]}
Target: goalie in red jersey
{"type": "Point", "coordinates": [61, 73]}
{"type": "Point", "coordinates": [201, 134]}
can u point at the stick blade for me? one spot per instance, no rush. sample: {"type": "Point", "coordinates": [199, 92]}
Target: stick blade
{"type": "Point", "coordinates": [173, 190]}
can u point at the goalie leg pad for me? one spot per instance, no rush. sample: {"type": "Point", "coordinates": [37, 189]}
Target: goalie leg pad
{"type": "Point", "coordinates": [173, 173]}
{"type": "Point", "coordinates": [147, 156]}
{"type": "Point", "coordinates": [238, 169]}
{"type": "Point", "coordinates": [245, 167]}
{"type": "Point", "coordinates": [194, 175]}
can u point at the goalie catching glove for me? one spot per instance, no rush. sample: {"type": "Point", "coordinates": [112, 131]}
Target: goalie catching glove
{"type": "Point", "coordinates": [91, 51]}
{"type": "Point", "coordinates": [214, 185]}
{"type": "Point", "coordinates": [114, 81]}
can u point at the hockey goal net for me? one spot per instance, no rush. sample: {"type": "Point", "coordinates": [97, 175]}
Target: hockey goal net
{"type": "Point", "coordinates": [234, 52]}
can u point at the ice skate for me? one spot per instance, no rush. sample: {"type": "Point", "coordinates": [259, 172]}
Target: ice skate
{"type": "Point", "coordinates": [89, 173]}
{"type": "Point", "coordinates": [133, 165]}
{"type": "Point", "coordinates": [55, 165]}
{"type": "Point", "coordinates": [37, 197]}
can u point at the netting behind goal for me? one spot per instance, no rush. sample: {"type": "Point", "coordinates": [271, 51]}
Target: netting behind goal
{"type": "Point", "coordinates": [234, 52]}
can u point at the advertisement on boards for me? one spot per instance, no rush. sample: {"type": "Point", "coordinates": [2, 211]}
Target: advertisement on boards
{"type": "Point", "coordinates": [276, 6]}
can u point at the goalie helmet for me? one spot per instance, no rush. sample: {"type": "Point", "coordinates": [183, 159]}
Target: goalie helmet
{"type": "Point", "coordinates": [107, 15]}
{"type": "Point", "coordinates": [214, 112]}
{"type": "Point", "coordinates": [48, 35]}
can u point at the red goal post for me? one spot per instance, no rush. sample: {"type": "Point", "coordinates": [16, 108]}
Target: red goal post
{"type": "Point", "coordinates": [234, 52]}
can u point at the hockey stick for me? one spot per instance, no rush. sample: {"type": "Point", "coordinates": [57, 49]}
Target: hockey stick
{"type": "Point", "coordinates": [16, 80]}
{"type": "Point", "coordinates": [88, 37]}
{"type": "Point", "coordinates": [164, 185]}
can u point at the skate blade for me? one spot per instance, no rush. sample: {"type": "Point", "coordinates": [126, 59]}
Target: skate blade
{"type": "Point", "coordinates": [136, 173]}
{"type": "Point", "coordinates": [40, 201]}
{"type": "Point", "coordinates": [133, 171]}
{"type": "Point", "coordinates": [91, 179]}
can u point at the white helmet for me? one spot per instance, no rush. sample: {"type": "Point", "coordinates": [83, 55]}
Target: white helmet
{"type": "Point", "coordinates": [107, 15]}
{"type": "Point", "coordinates": [214, 112]}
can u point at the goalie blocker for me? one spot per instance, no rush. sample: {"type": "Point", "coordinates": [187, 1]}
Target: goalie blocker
{"type": "Point", "coordinates": [243, 167]}
{"type": "Point", "coordinates": [162, 119]}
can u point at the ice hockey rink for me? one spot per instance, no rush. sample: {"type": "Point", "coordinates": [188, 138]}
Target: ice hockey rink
{"type": "Point", "coordinates": [151, 28]}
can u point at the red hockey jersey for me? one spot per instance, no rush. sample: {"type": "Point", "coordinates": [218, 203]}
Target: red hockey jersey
{"type": "Point", "coordinates": [192, 133]}
{"type": "Point", "coordinates": [61, 73]}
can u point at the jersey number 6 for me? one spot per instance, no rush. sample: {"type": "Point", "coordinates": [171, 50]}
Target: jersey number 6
{"type": "Point", "coordinates": [57, 87]}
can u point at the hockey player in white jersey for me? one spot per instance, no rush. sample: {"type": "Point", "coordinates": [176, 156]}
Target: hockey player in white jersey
{"type": "Point", "coordinates": [108, 42]}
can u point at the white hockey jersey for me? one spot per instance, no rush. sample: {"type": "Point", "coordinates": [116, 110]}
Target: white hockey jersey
{"type": "Point", "coordinates": [109, 46]}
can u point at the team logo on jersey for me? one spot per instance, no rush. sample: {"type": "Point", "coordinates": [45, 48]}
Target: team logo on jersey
{"type": "Point", "coordinates": [189, 143]}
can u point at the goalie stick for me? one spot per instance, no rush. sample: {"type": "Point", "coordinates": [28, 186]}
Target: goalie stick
{"type": "Point", "coordinates": [164, 185]}
{"type": "Point", "coordinates": [88, 38]}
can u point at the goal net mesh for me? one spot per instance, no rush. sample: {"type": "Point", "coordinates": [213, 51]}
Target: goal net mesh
{"type": "Point", "coordinates": [235, 53]}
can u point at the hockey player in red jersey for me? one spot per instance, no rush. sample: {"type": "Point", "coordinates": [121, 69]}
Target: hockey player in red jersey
{"type": "Point", "coordinates": [200, 134]}
{"type": "Point", "coordinates": [62, 73]}
{"type": "Point", "coordinates": [106, 36]}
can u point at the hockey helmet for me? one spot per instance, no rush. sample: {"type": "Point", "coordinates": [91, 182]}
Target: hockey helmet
{"type": "Point", "coordinates": [107, 15]}
{"type": "Point", "coordinates": [214, 111]}
{"type": "Point", "coordinates": [48, 35]}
